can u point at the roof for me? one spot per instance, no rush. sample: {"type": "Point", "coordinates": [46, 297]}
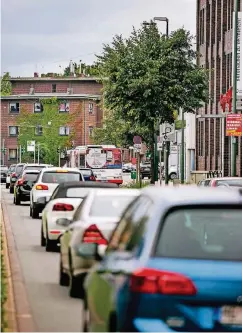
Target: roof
{"type": "Point", "coordinates": [50, 95]}
{"type": "Point", "coordinates": [193, 195]}
{"type": "Point", "coordinates": [60, 168]}
{"type": "Point", "coordinates": [87, 184]}
{"type": "Point", "coordinates": [31, 171]}
{"type": "Point", "coordinates": [66, 78]}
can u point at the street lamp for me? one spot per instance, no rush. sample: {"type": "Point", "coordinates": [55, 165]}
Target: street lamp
{"type": "Point", "coordinates": [163, 19]}
{"type": "Point", "coordinates": [234, 110]}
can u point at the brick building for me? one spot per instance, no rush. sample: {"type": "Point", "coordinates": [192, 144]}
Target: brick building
{"type": "Point", "coordinates": [214, 43]}
{"type": "Point", "coordinates": [80, 95]}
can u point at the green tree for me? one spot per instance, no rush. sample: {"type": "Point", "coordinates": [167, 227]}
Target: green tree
{"type": "Point", "coordinates": [6, 87]}
{"type": "Point", "coordinates": [147, 76]}
{"type": "Point", "coordinates": [50, 121]}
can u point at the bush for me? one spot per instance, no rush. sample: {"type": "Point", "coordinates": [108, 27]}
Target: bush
{"type": "Point", "coordinates": [133, 184]}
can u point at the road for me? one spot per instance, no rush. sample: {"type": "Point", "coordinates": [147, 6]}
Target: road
{"type": "Point", "coordinates": [52, 308]}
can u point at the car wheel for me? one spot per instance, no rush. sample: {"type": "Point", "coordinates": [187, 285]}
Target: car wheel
{"type": "Point", "coordinates": [11, 190]}
{"type": "Point", "coordinates": [76, 283]}
{"type": "Point", "coordinates": [50, 244]}
{"type": "Point", "coordinates": [35, 212]}
{"type": "Point", "coordinates": [85, 315]}
{"type": "Point", "coordinates": [17, 200]}
{"type": "Point", "coordinates": [64, 279]}
{"type": "Point", "coordinates": [7, 186]}
{"type": "Point", "coordinates": [42, 240]}
{"type": "Point", "coordinates": [173, 176]}
{"type": "Point", "coordinates": [113, 322]}
{"type": "Point", "coordinates": [30, 211]}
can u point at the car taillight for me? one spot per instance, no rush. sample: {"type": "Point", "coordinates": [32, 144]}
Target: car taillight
{"type": "Point", "coordinates": [153, 281]}
{"type": "Point", "coordinates": [93, 235]}
{"type": "Point", "coordinates": [20, 181]}
{"type": "Point", "coordinates": [63, 207]}
{"type": "Point", "coordinates": [41, 187]}
{"type": "Point", "coordinates": [92, 178]}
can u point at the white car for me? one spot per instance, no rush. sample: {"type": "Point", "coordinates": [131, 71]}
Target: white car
{"type": "Point", "coordinates": [36, 166]}
{"type": "Point", "coordinates": [48, 180]}
{"type": "Point", "coordinates": [93, 222]}
{"type": "Point", "coordinates": [62, 204]}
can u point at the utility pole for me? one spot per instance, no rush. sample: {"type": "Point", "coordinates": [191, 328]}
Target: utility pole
{"type": "Point", "coordinates": [59, 151]}
{"type": "Point", "coordinates": [3, 152]}
{"type": "Point", "coordinates": [167, 151]}
{"type": "Point", "coordinates": [234, 110]}
{"type": "Point", "coordinates": [38, 153]}
{"type": "Point", "coordinates": [20, 154]}
{"type": "Point", "coordinates": [182, 148]}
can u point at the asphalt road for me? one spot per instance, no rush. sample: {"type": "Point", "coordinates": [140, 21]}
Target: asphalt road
{"type": "Point", "coordinates": [52, 308]}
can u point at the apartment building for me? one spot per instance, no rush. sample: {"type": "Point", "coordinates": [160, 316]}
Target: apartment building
{"type": "Point", "coordinates": [79, 95]}
{"type": "Point", "coordinates": [214, 43]}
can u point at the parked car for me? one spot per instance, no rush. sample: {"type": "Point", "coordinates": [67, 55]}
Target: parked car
{"type": "Point", "coordinates": [10, 171]}
{"type": "Point", "coordinates": [62, 204]}
{"type": "Point", "coordinates": [4, 171]}
{"type": "Point", "coordinates": [173, 263]}
{"type": "Point", "coordinates": [36, 166]}
{"type": "Point", "coordinates": [233, 182]}
{"type": "Point", "coordinates": [48, 180]}
{"type": "Point", "coordinates": [127, 167]}
{"type": "Point", "coordinates": [93, 221]}
{"type": "Point", "coordinates": [15, 175]}
{"type": "Point", "coordinates": [88, 174]}
{"type": "Point", "coordinates": [201, 183]}
{"type": "Point", "coordinates": [24, 185]}
{"type": "Point", "coordinates": [145, 170]}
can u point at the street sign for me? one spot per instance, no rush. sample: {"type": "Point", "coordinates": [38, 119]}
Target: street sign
{"type": "Point", "coordinates": [166, 131]}
{"type": "Point", "coordinates": [31, 146]}
{"type": "Point", "coordinates": [234, 124]}
{"type": "Point", "coordinates": [137, 140]}
{"type": "Point", "coordinates": [137, 146]}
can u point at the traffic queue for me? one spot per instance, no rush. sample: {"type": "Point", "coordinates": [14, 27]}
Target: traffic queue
{"type": "Point", "coordinates": [160, 259]}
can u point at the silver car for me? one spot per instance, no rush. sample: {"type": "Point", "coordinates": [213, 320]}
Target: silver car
{"type": "Point", "coordinates": [93, 222]}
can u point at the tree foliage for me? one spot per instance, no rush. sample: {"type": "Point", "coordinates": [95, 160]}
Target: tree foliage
{"type": "Point", "coordinates": [50, 120]}
{"type": "Point", "coordinates": [147, 76]}
{"type": "Point", "coordinates": [6, 87]}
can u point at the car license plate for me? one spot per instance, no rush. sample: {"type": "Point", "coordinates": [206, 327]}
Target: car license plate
{"type": "Point", "coordinates": [231, 315]}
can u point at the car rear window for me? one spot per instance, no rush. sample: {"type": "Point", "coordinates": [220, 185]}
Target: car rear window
{"type": "Point", "coordinates": [230, 182]}
{"type": "Point", "coordinates": [35, 167]}
{"type": "Point", "coordinates": [31, 176]}
{"type": "Point", "coordinates": [77, 192]}
{"type": "Point", "coordinates": [53, 177]}
{"type": "Point", "coordinates": [19, 169]}
{"type": "Point", "coordinates": [109, 206]}
{"type": "Point", "coordinates": [209, 234]}
{"type": "Point", "coordinates": [86, 172]}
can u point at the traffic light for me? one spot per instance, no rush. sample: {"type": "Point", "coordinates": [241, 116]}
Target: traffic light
{"type": "Point", "coordinates": [23, 150]}
{"type": "Point", "coordinates": [4, 150]}
{"type": "Point", "coordinates": [58, 150]}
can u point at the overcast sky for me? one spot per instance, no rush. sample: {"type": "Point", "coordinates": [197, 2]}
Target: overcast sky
{"type": "Point", "coordinates": [41, 35]}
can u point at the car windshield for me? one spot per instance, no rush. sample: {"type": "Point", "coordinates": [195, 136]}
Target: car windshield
{"type": "Point", "coordinates": [230, 182]}
{"type": "Point", "coordinates": [109, 206]}
{"type": "Point", "coordinates": [210, 234]}
{"type": "Point", "coordinates": [19, 169]}
{"type": "Point", "coordinates": [77, 192]}
{"type": "Point", "coordinates": [86, 172]}
{"type": "Point", "coordinates": [30, 176]}
{"type": "Point", "coordinates": [53, 177]}
{"type": "Point", "coordinates": [35, 167]}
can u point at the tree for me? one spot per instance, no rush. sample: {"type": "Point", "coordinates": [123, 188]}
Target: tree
{"type": "Point", "coordinates": [147, 76]}
{"type": "Point", "coordinates": [50, 120]}
{"type": "Point", "coordinates": [6, 87]}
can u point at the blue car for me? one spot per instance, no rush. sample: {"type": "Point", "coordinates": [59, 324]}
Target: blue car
{"type": "Point", "coordinates": [88, 174]}
{"type": "Point", "coordinates": [173, 264]}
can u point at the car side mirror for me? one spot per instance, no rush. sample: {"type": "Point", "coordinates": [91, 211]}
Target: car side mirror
{"type": "Point", "coordinates": [63, 222]}
{"type": "Point", "coordinates": [89, 251]}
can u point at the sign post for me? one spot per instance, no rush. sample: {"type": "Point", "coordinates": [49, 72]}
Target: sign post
{"type": "Point", "coordinates": [137, 147]}
{"type": "Point", "coordinates": [167, 131]}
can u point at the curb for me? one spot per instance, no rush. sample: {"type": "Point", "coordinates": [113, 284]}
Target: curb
{"type": "Point", "coordinates": [23, 316]}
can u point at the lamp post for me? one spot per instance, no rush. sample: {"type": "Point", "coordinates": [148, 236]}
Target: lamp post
{"type": "Point", "coordinates": [234, 110]}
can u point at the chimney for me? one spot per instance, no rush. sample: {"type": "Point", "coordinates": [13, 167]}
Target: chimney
{"type": "Point", "coordinates": [71, 68]}
{"type": "Point", "coordinates": [36, 74]}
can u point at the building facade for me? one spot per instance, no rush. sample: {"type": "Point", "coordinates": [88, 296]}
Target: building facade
{"type": "Point", "coordinates": [80, 95]}
{"type": "Point", "coordinates": [214, 43]}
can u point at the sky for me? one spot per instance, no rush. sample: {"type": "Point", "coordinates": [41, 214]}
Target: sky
{"type": "Point", "coordinates": [44, 35]}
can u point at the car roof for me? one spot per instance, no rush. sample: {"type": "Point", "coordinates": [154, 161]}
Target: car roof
{"type": "Point", "coordinates": [186, 195]}
{"type": "Point", "coordinates": [227, 178]}
{"type": "Point", "coordinates": [31, 171]}
{"type": "Point", "coordinates": [36, 164]}
{"type": "Point", "coordinates": [117, 191]}
{"type": "Point", "coordinates": [59, 168]}
{"type": "Point", "coordinates": [84, 168]}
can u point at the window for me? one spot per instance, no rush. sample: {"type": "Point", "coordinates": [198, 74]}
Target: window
{"type": "Point", "coordinates": [54, 88]}
{"type": "Point", "coordinates": [12, 154]}
{"type": "Point", "coordinates": [64, 130]}
{"type": "Point", "coordinates": [90, 130]}
{"type": "Point", "coordinates": [38, 107]}
{"type": "Point", "coordinates": [208, 234]}
{"type": "Point", "coordinates": [39, 130]}
{"type": "Point", "coordinates": [14, 108]}
{"type": "Point", "coordinates": [77, 192]}
{"type": "Point", "coordinates": [13, 130]}
{"type": "Point", "coordinates": [64, 107]}
{"type": "Point", "coordinates": [30, 176]}
{"type": "Point", "coordinates": [52, 177]}
{"type": "Point", "coordinates": [90, 107]}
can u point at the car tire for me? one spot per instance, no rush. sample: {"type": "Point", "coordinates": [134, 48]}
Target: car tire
{"type": "Point", "coordinates": [17, 200]}
{"type": "Point", "coordinates": [64, 278]}
{"type": "Point", "coordinates": [50, 245]}
{"type": "Point", "coordinates": [7, 186]}
{"type": "Point", "coordinates": [76, 289]}
{"type": "Point", "coordinates": [30, 211]}
{"type": "Point", "coordinates": [11, 190]}
{"type": "Point", "coordinates": [85, 315]}
{"type": "Point", "coordinates": [42, 239]}
{"type": "Point", "coordinates": [173, 176]}
{"type": "Point", "coordinates": [35, 212]}
{"type": "Point", "coordinates": [113, 322]}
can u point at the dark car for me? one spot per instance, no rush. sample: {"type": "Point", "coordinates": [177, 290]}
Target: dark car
{"type": "Point", "coordinates": [88, 174]}
{"type": "Point", "coordinates": [24, 186]}
{"type": "Point", "coordinates": [4, 171]}
{"type": "Point", "coordinates": [10, 171]}
{"type": "Point", "coordinates": [15, 175]}
{"type": "Point", "coordinates": [145, 170]}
